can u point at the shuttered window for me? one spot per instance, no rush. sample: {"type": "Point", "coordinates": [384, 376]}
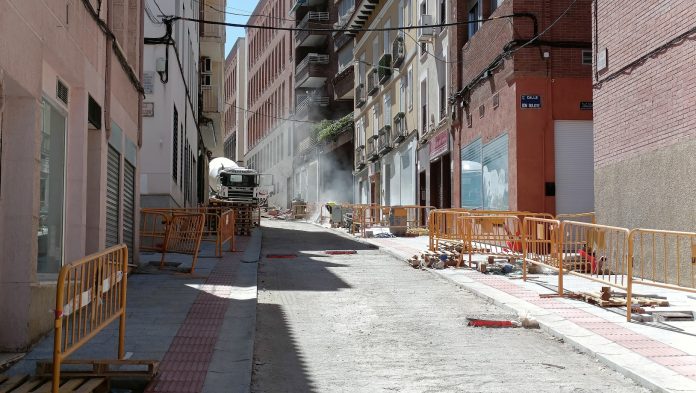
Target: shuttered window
{"type": "Point", "coordinates": [113, 192]}
{"type": "Point", "coordinates": [129, 208]}
{"type": "Point", "coordinates": [175, 146]}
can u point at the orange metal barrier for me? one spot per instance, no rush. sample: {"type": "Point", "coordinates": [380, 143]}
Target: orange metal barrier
{"type": "Point", "coordinates": [153, 229]}
{"type": "Point", "coordinates": [581, 217]}
{"type": "Point", "coordinates": [211, 227]}
{"type": "Point", "coordinates": [442, 225]}
{"type": "Point", "coordinates": [226, 230]}
{"type": "Point", "coordinates": [90, 294]}
{"type": "Point", "coordinates": [542, 238]}
{"type": "Point", "coordinates": [401, 218]}
{"type": "Point", "coordinates": [499, 235]}
{"type": "Point", "coordinates": [184, 234]}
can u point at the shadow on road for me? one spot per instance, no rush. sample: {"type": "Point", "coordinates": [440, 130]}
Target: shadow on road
{"type": "Point", "coordinates": [278, 364]}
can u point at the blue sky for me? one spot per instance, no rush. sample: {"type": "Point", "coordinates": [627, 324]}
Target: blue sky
{"type": "Point", "coordinates": [239, 7]}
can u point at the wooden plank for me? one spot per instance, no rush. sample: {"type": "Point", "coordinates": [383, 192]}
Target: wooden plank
{"type": "Point", "coordinates": [45, 388]}
{"type": "Point", "coordinates": [28, 385]}
{"type": "Point", "coordinates": [91, 385]}
{"type": "Point", "coordinates": [70, 385]}
{"type": "Point", "coordinates": [9, 383]}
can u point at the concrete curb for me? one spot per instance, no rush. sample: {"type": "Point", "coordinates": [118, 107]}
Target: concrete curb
{"type": "Point", "coordinates": [252, 253]}
{"type": "Point", "coordinates": [645, 372]}
{"type": "Point", "coordinates": [231, 367]}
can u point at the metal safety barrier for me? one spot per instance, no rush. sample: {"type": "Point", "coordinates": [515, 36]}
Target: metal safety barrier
{"type": "Point", "coordinates": [542, 237]}
{"type": "Point", "coordinates": [588, 217]}
{"type": "Point", "coordinates": [90, 294]}
{"type": "Point", "coordinates": [184, 234]}
{"type": "Point", "coordinates": [152, 232]}
{"type": "Point", "coordinates": [499, 235]}
{"type": "Point", "coordinates": [402, 218]}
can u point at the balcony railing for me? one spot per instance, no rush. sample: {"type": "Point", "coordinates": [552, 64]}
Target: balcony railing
{"type": "Point", "coordinates": [311, 58]}
{"type": "Point", "coordinates": [398, 51]}
{"type": "Point", "coordinates": [372, 82]}
{"type": "Point", "coordinates": [400, 131]}
{"type": "Point", "coordinates": [384, 140]}
{"type": "Point", "coordinates": [360, 95]}
{"type": "Point", "coordinates": [211, 99]}
{"type": "Point", "coordinates": [306, 102]}
{"type": "Point", "coordinates": [312, 71]}
{"type": "Point", "coordinates": [312, 20]}
{"type": "Point", "coordinates": [360, 157]}
{"type": "Point", "coordinates": [372, 148]}
{"type": "Point", "coordinates": [384, 70]}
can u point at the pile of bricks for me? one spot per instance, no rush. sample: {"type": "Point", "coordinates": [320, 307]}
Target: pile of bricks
{"type": "Point", "coordinates": [447, 254]}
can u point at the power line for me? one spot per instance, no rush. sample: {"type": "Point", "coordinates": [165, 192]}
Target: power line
{"type": "Point", "coordinates": [158, 7]}
{"type": "Point", "coordinates": [271, 116]}
{"type": "Point", "coordinates": [240, 14]}
{"type": "Point", "coordinates": [333, 30]}
{"type": "Point", "coordinates": [545, 30]}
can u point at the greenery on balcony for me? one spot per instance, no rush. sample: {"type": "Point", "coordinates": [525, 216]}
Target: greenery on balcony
{"type": "Point", "coordinates": [328, 130]}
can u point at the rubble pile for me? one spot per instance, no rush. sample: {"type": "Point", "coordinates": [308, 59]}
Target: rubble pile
{"type": "Point", "coordinates": [448, 254]}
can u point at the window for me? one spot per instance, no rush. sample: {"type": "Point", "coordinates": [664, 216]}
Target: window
{"type": "Point", "coordinates": [345, 7]}
{"type": "Point", "coordinates": [175, 145]}
{"type": "Point", "coordinates": [387, 109]}
{"type": "Point", "coordinates": [443, 103]}
{"type": "Point", "coordinates": [361, 69]}
{"type": "Point", "coordinates": [474, 14]}
{"type": "Point", "coordinates": [51, 190]}
{"type": "Point", "coordinates": [495, 4]}
{"type": "Point", "coordinates": [345, 57]}
{"type": "Point", "coordinates": [375, 50]}
{"type": "Point", "coordinates": [386, 42]}
{"type": "Point", "coordinates": [408, 12]}
{"type": "Point", "coordinates": [443, 12]}
{"type": "Point", "coordinates": [587, 57]}
{"type": "Point", "coordinates": [182, 139]}
{"type": "Point", "coordinates": [424, 107]}
{"type": "Point", "coordinates": [423, 11]}
{"type": "Point", "coordinates": [409, 88]}
{"type": "Point", "coordinates": [375, 119]}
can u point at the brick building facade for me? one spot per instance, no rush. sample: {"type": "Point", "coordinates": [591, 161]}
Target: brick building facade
{"type": "Point", "coordinates": [645, 122]}
{"type": "Point", "coordinates": [523, 132]}
{"type": "Point", "coordinates": [271, 96]}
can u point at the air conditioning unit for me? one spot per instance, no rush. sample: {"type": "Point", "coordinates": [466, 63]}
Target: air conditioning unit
{"type": "Point", "coordinates": [426, 34]}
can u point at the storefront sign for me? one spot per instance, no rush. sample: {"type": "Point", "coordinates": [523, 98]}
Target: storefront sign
{"type": "Point", "coordinates": [585, 105]}
{"type": "Point", "coordinates": [439, 144]}
{"type": "Point", "coordinates": [148, 109]}
{"type": "Point", "coordinates": [530, 102]}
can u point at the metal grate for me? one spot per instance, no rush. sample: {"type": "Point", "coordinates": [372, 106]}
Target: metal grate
{"type": "Point", "coordinates": [62, 91]}
{"type": "Point", "coordinates": [113, 194]}
{"type": "Point", "coordinates": [129, 208]}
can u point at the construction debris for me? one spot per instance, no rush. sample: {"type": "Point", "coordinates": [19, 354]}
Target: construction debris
{"type": "Point", "coordinates": [615, 301]}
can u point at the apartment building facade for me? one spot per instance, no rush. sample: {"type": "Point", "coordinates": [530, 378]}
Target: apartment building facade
{"type": "Point", "coordinates": [322, 164]}
{"type": "Point", "coordinates": [270, 98]}
{"type": "Point", "coordinates": [645, 125]}
{"type": "Point", "coordinates": [235, 102]}
{"type": "Point", "coordinates": [70, 132]}
{"type": "Point", "coordinates": [433, 86]}
{"type": "Point", "coordinates": [525, 107]}
{"type": "Point", "coordinates": [386, 103]}
{"type": "Point", "coordinates": [170, 160]}
{"type": "Point", "coordinates": [212, 70]}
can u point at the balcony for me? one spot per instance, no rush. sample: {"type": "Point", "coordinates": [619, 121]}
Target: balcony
{"type": "Point", "coordinates": [360, 95]}
{"type": "Point", "coordinates": [360, 161]}
{"type": "Point", "coordinates": [400, 131]}
{"type": "Point", "coordinates": [305, 103]}
{"type": "Point", "coordinates": [309, 37]}
{"type": "Point", "coordinates": [372, 82]}
{"type": "Point", "coordinates": [398, 51]}
{"type": "Point", "coordinates": [305, 3]}
{"type": "Point", "coordinates": [311, 71]}
{"type": "Point", "coordinates": [384, 142]}
{"type": "Point", "coordinates": [344, 83]}
{"type": "Point", "coordinates": [426, 34]}
{"type": "Point", "coordinates": [384, 71]}
{"type": "Point", "coordinates": [211, 99]}
{"type": "Point", "coordinates": [372, 148]}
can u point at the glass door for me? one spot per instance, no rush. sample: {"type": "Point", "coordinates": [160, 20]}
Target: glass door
{"type": "Point", "coordinates": [51, 190]}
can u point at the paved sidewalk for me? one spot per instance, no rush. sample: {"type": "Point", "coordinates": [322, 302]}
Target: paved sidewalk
{"type": "Point", "coordinates": [659, 359]}
{"type": "Point", "coordinates": [200, 327]}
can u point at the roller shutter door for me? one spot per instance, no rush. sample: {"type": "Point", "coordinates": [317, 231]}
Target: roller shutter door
{"type": "Point", "coordinates": [574, 166]}
{"type": "Point", "coordinates": [129, 208]}
{"type": "Point", "coordinates": [113, 192]}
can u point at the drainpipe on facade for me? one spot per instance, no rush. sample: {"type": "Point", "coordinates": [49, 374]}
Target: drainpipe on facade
{"type": "Point", "coordinates": [107, 73]}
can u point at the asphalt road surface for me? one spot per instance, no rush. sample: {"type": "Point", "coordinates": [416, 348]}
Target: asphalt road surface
{"type": "Point", "coordinates": [368, 322]}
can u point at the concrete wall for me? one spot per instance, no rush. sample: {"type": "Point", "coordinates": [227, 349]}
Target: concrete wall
{"type": "Point", "coordinates": [156, 178]}
{"type": "Point", "coordinates": [38, 45]}
{"type": "Point", "coordinates": [645, 124]}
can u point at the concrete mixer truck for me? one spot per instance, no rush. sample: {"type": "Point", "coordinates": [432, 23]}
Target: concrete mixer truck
{"type": "Point", "coordinates": [231, 183]}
